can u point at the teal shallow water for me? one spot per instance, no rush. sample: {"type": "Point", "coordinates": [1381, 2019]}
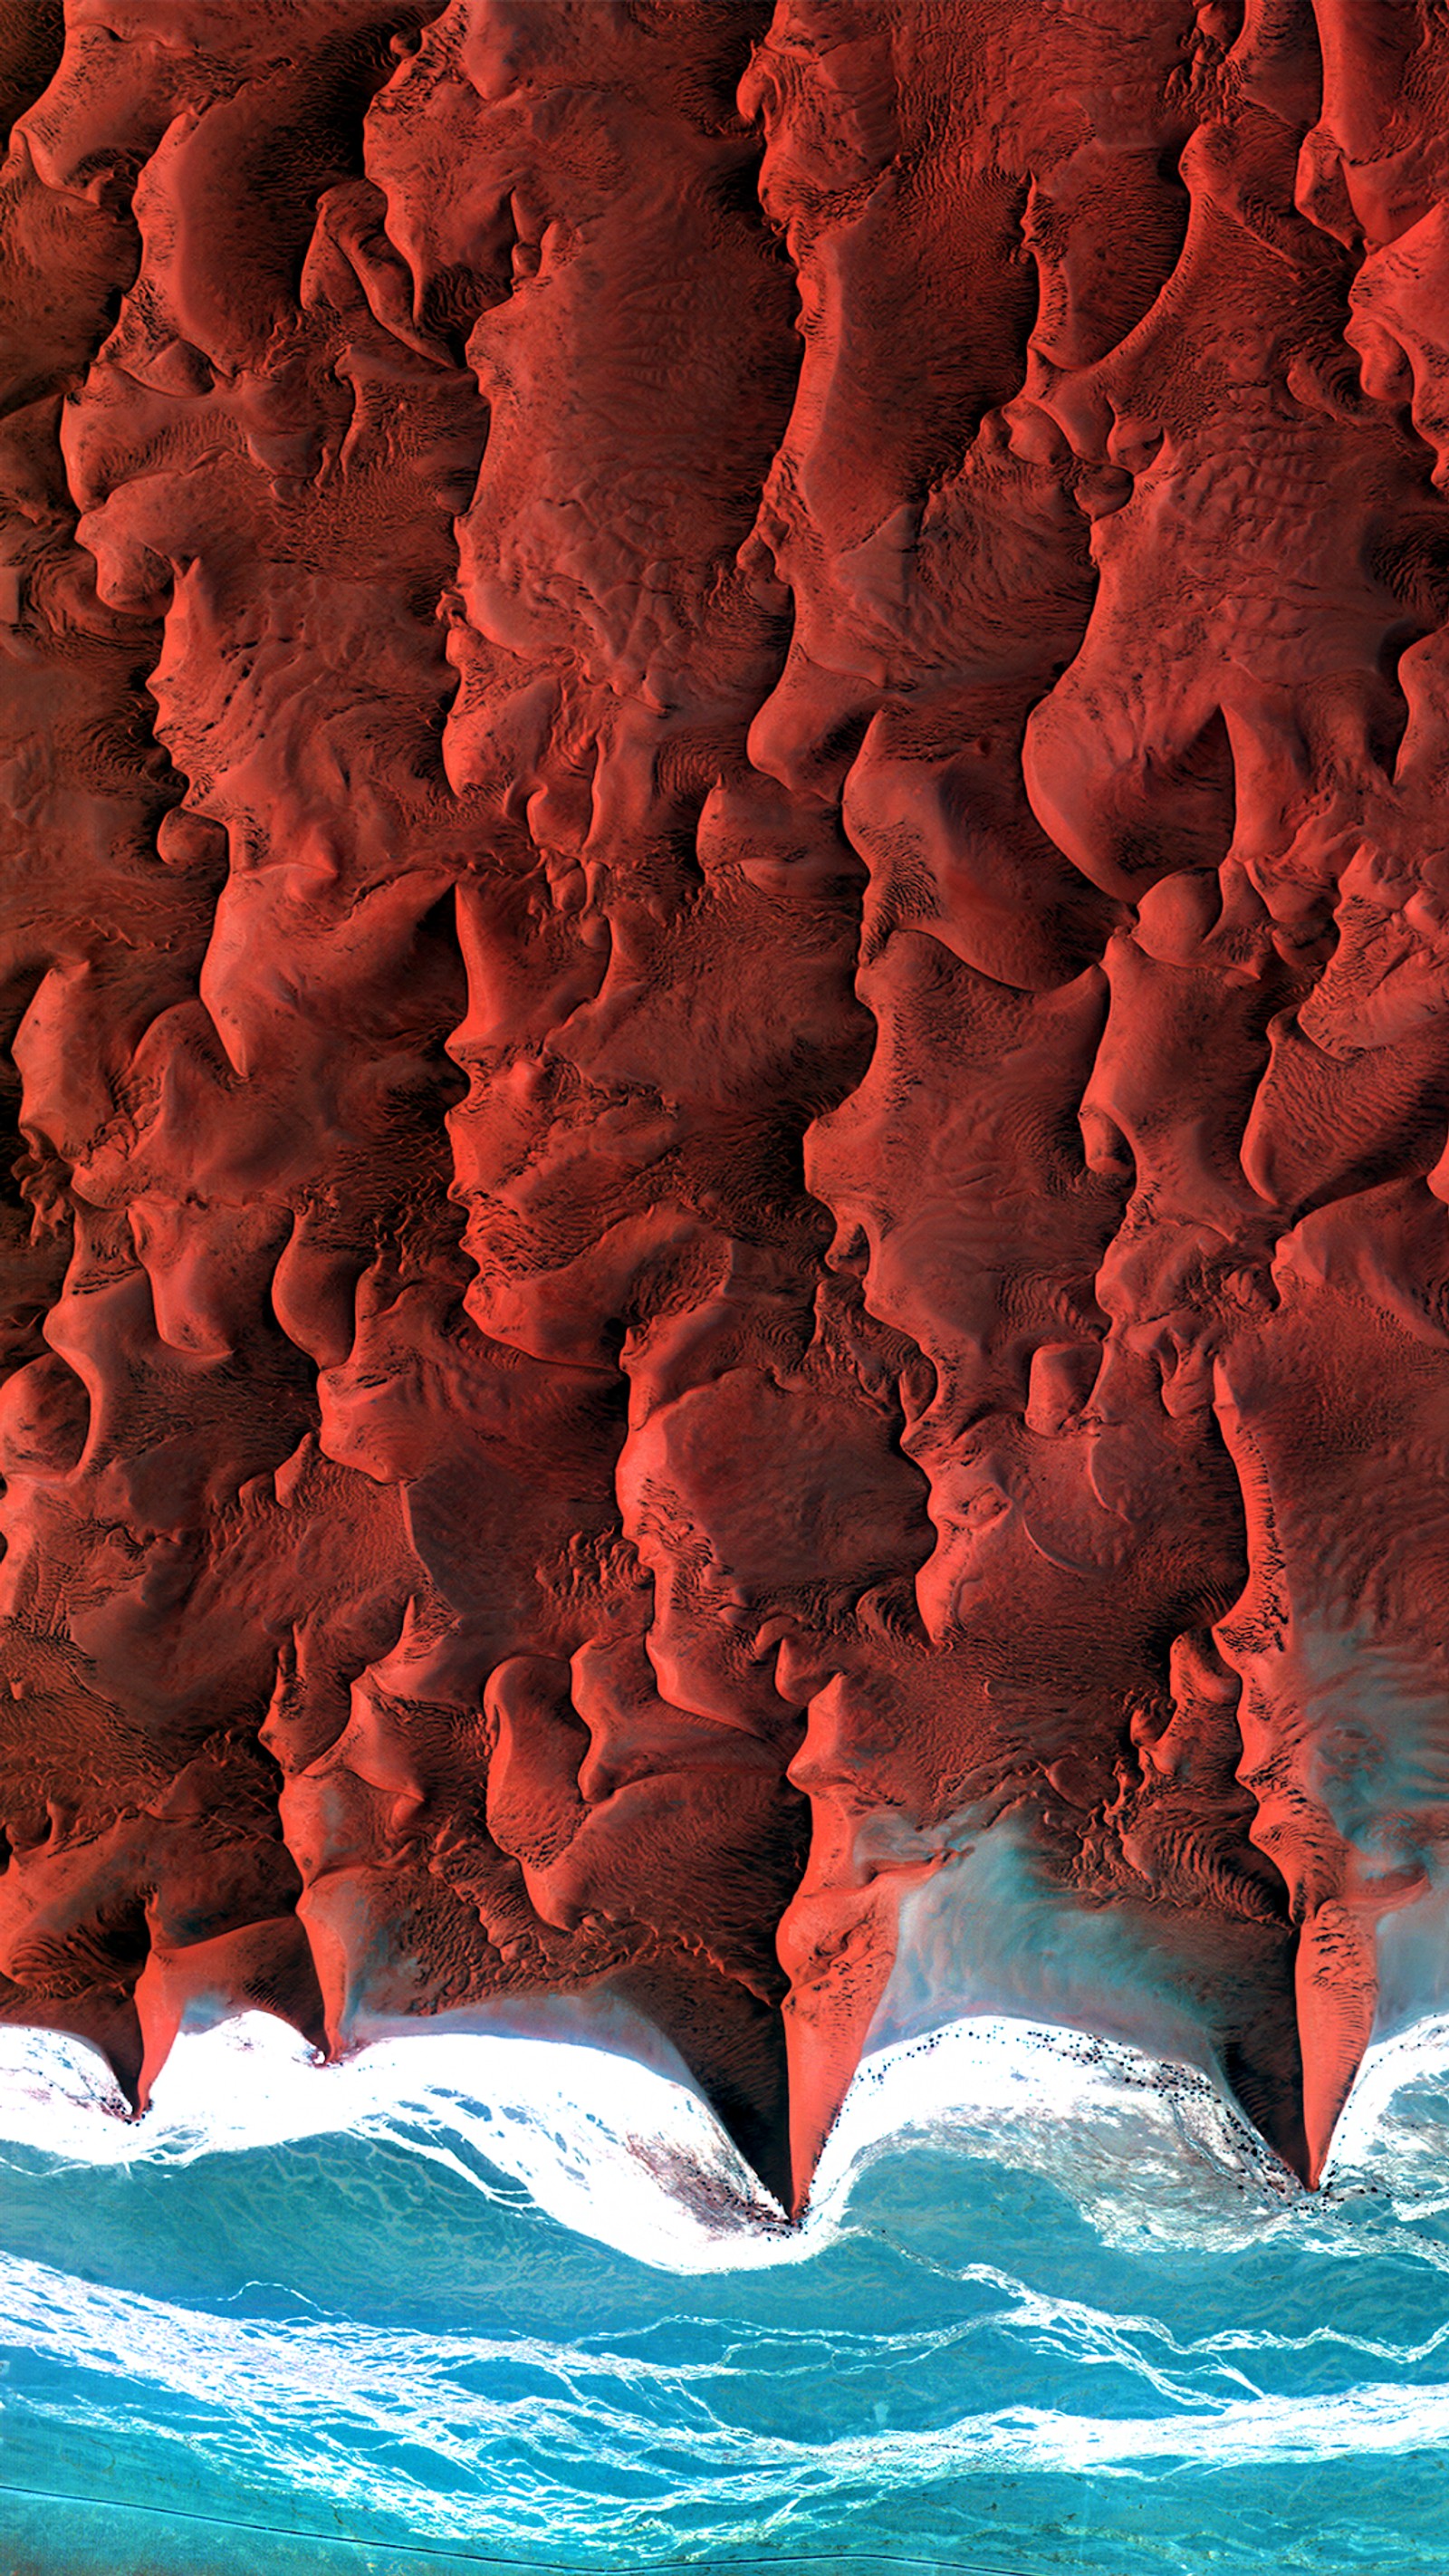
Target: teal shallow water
{"type": "Point", "coordinates": [1080, 2326]}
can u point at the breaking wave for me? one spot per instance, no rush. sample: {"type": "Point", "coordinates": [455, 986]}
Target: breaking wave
{"type": "Point", "coordinates": [1052, 2305]}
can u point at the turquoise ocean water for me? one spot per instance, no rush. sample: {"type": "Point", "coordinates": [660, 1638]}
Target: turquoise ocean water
{"type": "Point", "coordinates": [467, 2301]}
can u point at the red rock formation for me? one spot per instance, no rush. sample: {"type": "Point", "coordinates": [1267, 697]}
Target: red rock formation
{"type": "Point", "coordinates": [727, 975]}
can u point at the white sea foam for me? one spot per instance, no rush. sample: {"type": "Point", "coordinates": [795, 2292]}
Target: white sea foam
{"type": "Point", "coordinates": [526, 2428]}
{"type": "Point", "coordinates": [629, 2154]}
{"type": "Point", "coordinates": [488, 2385]}
{"type": "Point", "coordinates": [612, 2148]}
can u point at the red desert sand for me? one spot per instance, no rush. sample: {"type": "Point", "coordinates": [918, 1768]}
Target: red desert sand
{"type": "Point", "coordinates": [725, 769]}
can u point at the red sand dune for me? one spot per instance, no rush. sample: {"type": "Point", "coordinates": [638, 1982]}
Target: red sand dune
{"type": "Point", "coordinates": [727, 966]}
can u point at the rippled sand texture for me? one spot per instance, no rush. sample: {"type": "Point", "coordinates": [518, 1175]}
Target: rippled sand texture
{"type": "Point", "coordinates": [725, 739]}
